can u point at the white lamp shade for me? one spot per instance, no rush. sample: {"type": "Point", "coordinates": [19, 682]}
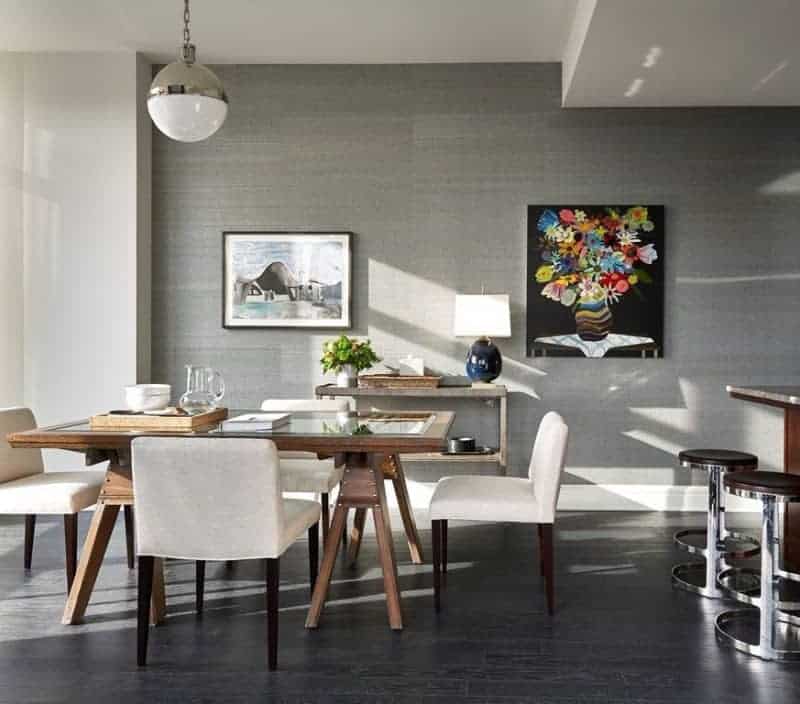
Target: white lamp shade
{"type": "Point", "coordinates": [187, 118]}
{"type": "Point", "coordinates": [187, 101]}
{"type": "Point", "coordinates": [482, 315]}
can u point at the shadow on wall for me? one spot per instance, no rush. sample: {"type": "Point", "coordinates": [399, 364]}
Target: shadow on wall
{"type": "Point", "coordinates": [629, 418]}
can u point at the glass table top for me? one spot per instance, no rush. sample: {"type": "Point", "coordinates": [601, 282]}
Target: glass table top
{"type": "Point", "coordinates": [306, 423]}
{"type": "Point", "coordinates": [341, 423]}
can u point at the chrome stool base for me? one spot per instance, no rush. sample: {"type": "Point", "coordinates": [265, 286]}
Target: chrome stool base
{"type": "Point", "coordinates": [691, 576]}
{"type": "Point", "coordinates": [740, 583]}
{"type": "Point", "coordinates": [734, 546]}
{"type": "Point", "coordinates": [744, 584]}
{"type": "Point", "coordinates": [769, 631]}
{"type": "Point", "coordinates": [716, 544]}
{"type": "Point", "coordinates": [742, 630]}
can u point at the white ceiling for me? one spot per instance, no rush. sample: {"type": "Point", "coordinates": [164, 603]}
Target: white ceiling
{"type": "Point", "coordinates": [296, 31]}
{"type": "Point", "coordinates": [624, 53]}
{"type": "Point", "coordinates": [649, 53]}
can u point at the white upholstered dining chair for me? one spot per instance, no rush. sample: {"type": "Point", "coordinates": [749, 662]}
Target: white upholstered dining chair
{"type": "Point", "coordinates": [506, 499]}
{"type": "Point", "coordinates": [304, 471]}
{"type": "Point", "coordinates": [215, 499]}
{"type": "Point", "coordinates": [25, 488]}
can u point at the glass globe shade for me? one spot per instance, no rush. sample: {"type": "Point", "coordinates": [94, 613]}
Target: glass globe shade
{"type": "Point", "coordinates": [187, 102]}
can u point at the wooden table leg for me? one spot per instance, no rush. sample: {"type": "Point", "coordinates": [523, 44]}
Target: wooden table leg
{"type": "Point", "coordinates": [326, 568]}
{"type": "Point", "coordinates": [406, 512]}
{"type": "Point", "coordinates": [791, 463]}
{"type": "Point", "coordinates": [356, 535]}
{"type": "Point", "coordinates": [362, 488]}
{"type": "Point", "coordinates": [94, 549]}
{"type": "Point", "coordinates": [383, 533]}
{"type": "Point", "coordinates": [392, 469]}
{"type": "Point", "coordinates": [117, 492]}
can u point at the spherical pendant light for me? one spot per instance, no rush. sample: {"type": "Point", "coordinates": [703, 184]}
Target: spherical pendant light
{"type": "Point", "coordinates": [186, 100]}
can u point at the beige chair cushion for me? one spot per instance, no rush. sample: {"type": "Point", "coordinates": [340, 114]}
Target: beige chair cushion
{"type": "Point", "coordinates": [51, 492]}
{"type": "Point", "coordinates": [310, 475]}
{"type": "Point", "coordinates": [302, 471]}
{"type": "Point", "coordinates": [298, 516]}
{"type": "Point", "coordinates": [213, 499]}
{"type": "Point", "coordinates": [510, 499]}
{"type": "Point", "coordinates": [305, 404]}
{"type": "Point", "coordinates": [480, 498]}
{"type": "Point", "coordinates": [17, 462]}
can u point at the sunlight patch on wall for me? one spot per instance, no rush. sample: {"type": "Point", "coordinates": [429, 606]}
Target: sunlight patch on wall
{"type": "Point", "coordinates": [759, 279]}
{"type": "Point", "coordinates": [407, 296]}
{"type": "Point", "coordinates": [679, 419]}
{"type": "Point", "coordinates": [653, 440]}
{"type": "Point", "coordinates": [786, 185]}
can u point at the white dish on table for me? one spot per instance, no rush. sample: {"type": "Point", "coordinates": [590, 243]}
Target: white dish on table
{"type": "Point", "coordinates": [147, 397]}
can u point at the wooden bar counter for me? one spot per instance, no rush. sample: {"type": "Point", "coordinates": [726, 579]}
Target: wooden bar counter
{"type": "Point", "coordinates": [788, 399]}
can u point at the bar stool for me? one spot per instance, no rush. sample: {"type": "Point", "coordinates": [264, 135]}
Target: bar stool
{"type": "Point", "coordinates": [769, 631]}
{"type": "Point", "coordinates": [716, 543]}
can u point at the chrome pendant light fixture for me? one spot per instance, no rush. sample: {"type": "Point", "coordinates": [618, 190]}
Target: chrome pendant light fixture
{"type": "Point", "coordinates": [186, 100]}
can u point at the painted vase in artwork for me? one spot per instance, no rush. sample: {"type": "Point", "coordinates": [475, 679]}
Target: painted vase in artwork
{"type": "Point", "coordinates": [593, 320]}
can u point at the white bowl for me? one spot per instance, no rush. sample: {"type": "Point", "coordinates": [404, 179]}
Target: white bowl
{"type": "Point", "coordinates": [147, 397]}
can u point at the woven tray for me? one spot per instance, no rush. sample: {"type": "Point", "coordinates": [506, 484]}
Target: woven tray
{"type": "Point", "coordinates": [107, 421]}
{"type": "Point", "coordinates": [394, 381]}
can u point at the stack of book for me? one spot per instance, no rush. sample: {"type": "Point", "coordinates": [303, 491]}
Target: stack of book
{"type": "Point", "coordinates": [255, 422]}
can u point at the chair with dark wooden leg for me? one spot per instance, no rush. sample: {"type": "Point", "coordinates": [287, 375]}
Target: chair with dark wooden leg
{"type": "Point", "coordinates": [304, 472]}
{"type": "Point", "coordinates": [506, 499]}
{"type": "Point", "coordinates": [25, 488]}
{"type": "Point", "coordinates": [214, 499]}
{"type": "Point", "coordinates": [200, 584]}
{"type": "Point", "coordinates": [128, 511]}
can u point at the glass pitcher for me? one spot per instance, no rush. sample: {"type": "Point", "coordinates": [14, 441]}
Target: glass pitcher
{"type": "Point", "coordinates": [204, 389]}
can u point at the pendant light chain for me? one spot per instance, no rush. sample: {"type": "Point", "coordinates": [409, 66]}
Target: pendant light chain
{"type": "Point", "coordinates": [186, 101]}
{"type": "Point", "coordinates": [186, 37]}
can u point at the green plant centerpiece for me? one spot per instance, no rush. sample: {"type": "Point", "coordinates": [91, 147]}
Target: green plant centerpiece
{"type": "Point", "coordinates": [347, 356]}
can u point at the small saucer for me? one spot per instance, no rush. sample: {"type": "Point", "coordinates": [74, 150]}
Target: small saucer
{"type": "Point", "coordinates": [483, 450]}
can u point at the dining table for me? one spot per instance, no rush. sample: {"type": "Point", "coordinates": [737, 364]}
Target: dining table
{"type": "Point", "coordinates": [360, 442]}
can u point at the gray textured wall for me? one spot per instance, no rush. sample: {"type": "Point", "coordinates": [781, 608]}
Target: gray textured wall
{"type": "Point", "coordinates": [432, 166]}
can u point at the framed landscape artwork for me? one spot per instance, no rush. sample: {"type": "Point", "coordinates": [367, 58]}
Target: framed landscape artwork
{"type": "Point", "coordinates": [595, 280]}
{"type": "Point", "coordinates": [286, 279]}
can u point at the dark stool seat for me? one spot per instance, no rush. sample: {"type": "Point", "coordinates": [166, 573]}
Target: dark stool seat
{"type": "Point", "coordinates": [782, 486]}
{"type": "Point", "coordinates": [770, 631]}
{"type": "Point", "coordinates": [716, 543]}
{"type": "Point", "coordinates": [728, 459]}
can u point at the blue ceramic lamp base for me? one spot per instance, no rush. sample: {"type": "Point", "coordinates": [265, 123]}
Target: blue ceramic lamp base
{"type": "Point", "coordinates": [484, 361]}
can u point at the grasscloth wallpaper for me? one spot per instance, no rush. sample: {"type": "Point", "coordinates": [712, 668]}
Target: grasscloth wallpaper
{"type": "Point", "coordinates": [432, 167]}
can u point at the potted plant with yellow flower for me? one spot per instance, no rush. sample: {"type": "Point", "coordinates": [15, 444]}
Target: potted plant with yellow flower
{"type": "Point", "coordinates": [347, 356]}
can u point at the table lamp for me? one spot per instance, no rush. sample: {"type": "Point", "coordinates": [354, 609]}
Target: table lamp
{"type": "Point", "coordinates": [483, 316]}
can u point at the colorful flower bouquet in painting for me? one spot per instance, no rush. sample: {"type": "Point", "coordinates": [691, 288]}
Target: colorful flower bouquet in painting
{"type": "Point", "coordinates": [591, 260]}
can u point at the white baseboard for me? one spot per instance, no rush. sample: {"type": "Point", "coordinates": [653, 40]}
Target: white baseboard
{"type": "Point", "coordinates": [589, 497]}
{"type": "Point", "coordinates": [642, 497]}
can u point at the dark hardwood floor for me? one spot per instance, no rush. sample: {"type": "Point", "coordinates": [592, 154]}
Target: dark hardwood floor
{"type": "Point", "coordinates": [620, 632]}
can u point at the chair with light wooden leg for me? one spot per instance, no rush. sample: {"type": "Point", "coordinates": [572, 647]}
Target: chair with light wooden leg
{"type": "Point", "coordinates": [211, 499]}
{"type": "Point", "coordinates": [506, 499]}
{"type": "Point", "coordinates": [25, 488]}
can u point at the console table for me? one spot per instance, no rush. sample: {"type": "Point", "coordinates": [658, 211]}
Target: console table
{"type": "Point", "coordinates": [491, 394]}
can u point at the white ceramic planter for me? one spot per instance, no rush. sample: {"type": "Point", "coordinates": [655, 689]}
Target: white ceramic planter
{"type": "Point", "coordinates": [348, 377]}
